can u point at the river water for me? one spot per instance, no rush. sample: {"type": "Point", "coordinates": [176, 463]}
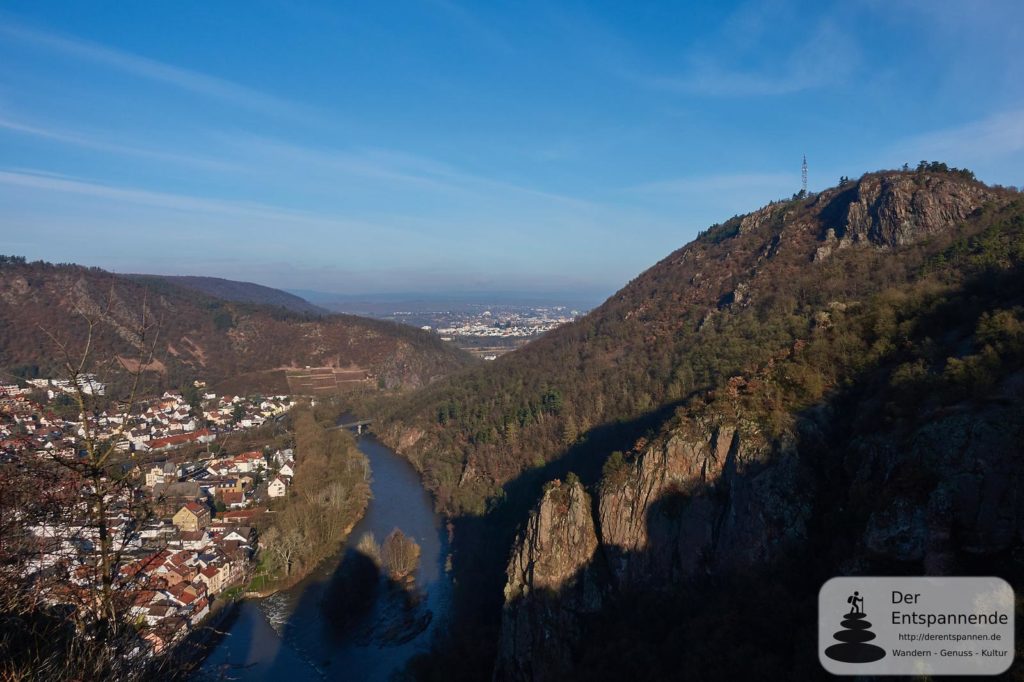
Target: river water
{"type": "Point", "coordinates": [343, 622]}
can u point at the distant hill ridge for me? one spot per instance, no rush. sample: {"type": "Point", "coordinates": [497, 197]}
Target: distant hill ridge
{"type": "Point", "coordinates": [239, 346]}
{"type": "Point", "coordinates": [240, 292]}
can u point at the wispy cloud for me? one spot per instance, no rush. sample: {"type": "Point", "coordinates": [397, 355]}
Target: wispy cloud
{"type": "Point", "coordinates": [825, 58]}
{"type": "Point", "coordinates": [324, 162]}
{"type": "Point", "coordinates": [997, 136]}
{"type": "Point", "coordinates": [50, 182]}
{"type": "Point", "coordinates": [150, 69]}
{"type": "Point", "coordinates": [385, 166]}
{"type": "Point", "coordinates": [98, 143]}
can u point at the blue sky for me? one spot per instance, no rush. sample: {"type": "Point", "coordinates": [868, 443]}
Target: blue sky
{"type": "Point", "coordinates": [435, 145]}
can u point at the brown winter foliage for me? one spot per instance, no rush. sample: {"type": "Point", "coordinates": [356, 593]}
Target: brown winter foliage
{"type": "Point", "coordinates": [847, 327]}
{"type": "Point", "coordinates": [328, 495]}
{"type": "Point", "coordinates": [400, 555]}
{"type": "Point", "coordinates": [726, 304]}
{"type": "Point", "coordinates": [239, 347]}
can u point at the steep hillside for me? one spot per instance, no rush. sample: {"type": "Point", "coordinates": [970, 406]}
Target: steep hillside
{"type": "Point", "coordinates": [239, 347]}
{"type": "Point", "coordinates": [829, 385]}
{"type": "Point", "coordinates": [240, 292]}
{"type": "Point", "coordinates": [886, 443]}
{"type": "Point", "coordinates": [737, 296]}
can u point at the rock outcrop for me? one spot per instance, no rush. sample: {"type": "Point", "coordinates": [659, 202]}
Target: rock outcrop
{"type": "Point", "coordinates": [898, 209]}
{"type": "Point", "coordinates": [551, 586]}
{"type": "Point", "coordinates": [710, 496]}
{"type": "Point", "coordinates": [808, 420]}
{"type": "Point", "coordinates": [952, 486]}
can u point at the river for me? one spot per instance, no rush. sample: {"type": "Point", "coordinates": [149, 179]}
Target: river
{"type": "Point", "coordinates": [333, 625]}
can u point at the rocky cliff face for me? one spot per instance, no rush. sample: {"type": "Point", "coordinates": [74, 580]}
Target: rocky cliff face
{"type": "Point", "coordinates": [714, 497]}
{"type": "Point", "coordinates": [808, 419]}
{"type": "Point", "coordinates": [896, 210]}
{"type": "Point", "coordinates": [651, 336]}
{"type": "Point", "coordinates": [708, 497]}
{"type": "Point", "coordinates": [950, 488]}
{"type": "Point", "coordinates": [552, 585]}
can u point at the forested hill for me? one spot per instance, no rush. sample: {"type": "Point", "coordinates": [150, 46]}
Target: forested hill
{"type": "Point", "coordinates": [728, 303]}
{"type": "Point", "coordinates": [240, 292]}
{"type": "Point", "coordinates": [240, 347]}
{"type": "Point", "coordinates": [830, 385]}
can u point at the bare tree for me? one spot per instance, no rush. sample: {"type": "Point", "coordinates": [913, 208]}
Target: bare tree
{"type": "Point", "coordinates": [400, 554]}
{"type": "Point", "coordinates": [72, 563]}
{"type": "Point", "coordinates": [283, 547]}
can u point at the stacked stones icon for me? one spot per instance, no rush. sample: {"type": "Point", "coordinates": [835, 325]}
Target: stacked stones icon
{"type": "Point", "coordinates": [855, 635]}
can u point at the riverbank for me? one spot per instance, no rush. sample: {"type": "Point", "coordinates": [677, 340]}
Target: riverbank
{"type": "Point", "coordinates": [300, 576]}
{"type": "Point", "coordinates": [325, 500]}
{"type": "Point", "coordinates": [333, 622]}
{"type": "Point", "coordinates": [329, 495]}
{"type": "Point", "coordinates": [192, 652]}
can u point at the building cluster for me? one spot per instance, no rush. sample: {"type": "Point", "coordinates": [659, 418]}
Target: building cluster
{"type": "Point", "coordinates": [161, 424]}
{"type": "Point", "coordinates": [183, 525]}
{"type": "Point", "coordinates": [87, 383]}
{"type": "Point", "coordinates": [511, 324]}
{"type": "Point", "coordinates": [170, 570]}
{"type": "Point", "coordinates": [224, 482]}
{"type": "Point", "coordinates": [200, 558]}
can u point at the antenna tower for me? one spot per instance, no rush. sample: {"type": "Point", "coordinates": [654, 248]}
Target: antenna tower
{"type": "Point", "coordinates": [803, 175]}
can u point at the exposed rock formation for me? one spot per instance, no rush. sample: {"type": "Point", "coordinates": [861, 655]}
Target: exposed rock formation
{"type": "Point", "coordinates": [551, 585]}
{"type": "Point", "coordinates": [710, 496]}
{"type": "Point", "coordinates": [766, 463]}
{"type": "Point", "coordinates": [895, 210]}
{"type": "Point", "coordinates": [954, 484]}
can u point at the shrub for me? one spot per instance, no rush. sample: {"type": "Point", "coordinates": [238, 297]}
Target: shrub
{"type": "Point", "coordinates": [369, 547]}
{"type": "Point", "coordinates": [399, 554]}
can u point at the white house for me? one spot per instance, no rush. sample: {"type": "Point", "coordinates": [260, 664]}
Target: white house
{"type": "Point", "coordinates": [277, 488]}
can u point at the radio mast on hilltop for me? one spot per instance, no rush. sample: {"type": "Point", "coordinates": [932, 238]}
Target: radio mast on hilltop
{"type": "Point", "coordinates": [803, 176]}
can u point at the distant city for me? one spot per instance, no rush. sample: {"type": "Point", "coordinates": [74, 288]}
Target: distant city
{"type": "Point", "coordinates": [488, 327]}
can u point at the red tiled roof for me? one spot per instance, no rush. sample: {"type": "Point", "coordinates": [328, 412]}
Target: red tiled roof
{"type": "Point", "coordinates": [157, 443]}
{"type": "Point", "coordinates": [241, 514]}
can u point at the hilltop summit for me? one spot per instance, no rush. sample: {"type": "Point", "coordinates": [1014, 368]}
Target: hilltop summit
{"type": "Point", "coordinates": [832, 382]}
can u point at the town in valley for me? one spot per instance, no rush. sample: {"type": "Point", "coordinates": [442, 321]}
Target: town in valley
{"type": "Point", "coordinates": [194, 546]}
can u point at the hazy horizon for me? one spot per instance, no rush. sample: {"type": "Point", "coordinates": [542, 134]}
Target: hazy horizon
{"type": "Point", "coordinates": [435, 146]}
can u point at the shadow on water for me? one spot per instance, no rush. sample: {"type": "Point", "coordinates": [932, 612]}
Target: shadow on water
{"type": "Point", "coordinates": [364, 606]}
{"type": "Point", "coordinates": [347, 618]}
{"type": "Point", "coordinates": [467, 649]}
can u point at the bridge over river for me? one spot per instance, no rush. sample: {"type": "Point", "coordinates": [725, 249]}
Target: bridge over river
{"type": "Point", "coordinates": [357, 425]}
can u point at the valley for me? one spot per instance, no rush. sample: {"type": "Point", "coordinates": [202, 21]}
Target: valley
{"type": "Point", "coordinates": [831, 382]}
{"type": "Point", "coordinates": [511, 342]}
